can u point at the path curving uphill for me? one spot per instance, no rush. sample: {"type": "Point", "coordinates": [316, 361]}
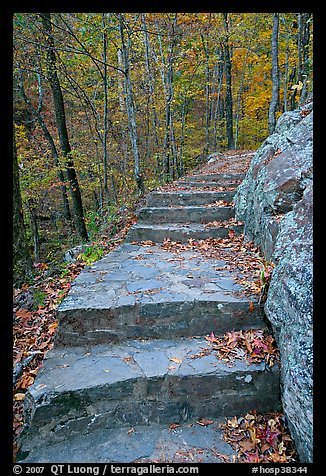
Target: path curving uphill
{"type": "Point", "coordinates": [131, 376]}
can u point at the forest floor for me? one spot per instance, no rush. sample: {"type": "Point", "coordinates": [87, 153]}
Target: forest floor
{"type": "Point", "coordinates": [35, 323]}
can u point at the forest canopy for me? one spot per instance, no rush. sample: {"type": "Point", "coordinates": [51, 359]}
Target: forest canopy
{"type": "Point", "coordinates": [110, 105]}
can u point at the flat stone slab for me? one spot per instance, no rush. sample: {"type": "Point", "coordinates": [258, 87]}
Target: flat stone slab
{"type": "Point", "coordinates": [205, 184]}
{"type": "Point", "coordinates": [178, 232]}
{"type": "Point", "coordinates": [185, 214]}
{"type": "Point", "coordinates": [220, 178]}
{"type": "Point", "coordinates": [187, 443]}
{"type": "Point", "coordinates": [145, 291]}
{"type": "Point", "coordinates": [182, 198]}
{"type": "Point", "coordinates": [80, 389]}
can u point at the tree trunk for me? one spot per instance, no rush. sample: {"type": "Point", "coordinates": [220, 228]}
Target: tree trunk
{"type": "Point", "coordinates": [151, 82]}
{"type": "Point", "coordinates": [62, 127]}
{"type": "Point", "coordinates": [239, 101]}
{"type": "Point", "coordinates": [130, 109]}
{"type": "Point", "coordinates": [305, 55]}
{"type": "Point", "coordinates": [228, 74]}
{"type": "Point", "coordinates": [220, 73]}
{"type": "Point", "coordinates": [286, 66]}
{"type": "Point", "coordinates": [22, 261]}
{"type": "Point", "coordinates": [38, 116]}
{"type": "Point", "coordinates": [275, 76]}
{"type": "Point", "coordinates": [105, 115]}
{"type": "Point", "coordinates": [170, 161]}
{"type": "Point", "coordinates": [207, 97]}
{"type": "Point", "coordinates": [34, 228]}
{"type": "Point", "coordinates": [303, 58]}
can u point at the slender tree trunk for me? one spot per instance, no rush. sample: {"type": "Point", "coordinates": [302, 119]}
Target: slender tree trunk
{"type": "Point", "coordinates": [228, 74]}
{"type": "Point", "coordinates": [303, 58]}
{"type": "Point", "coordinates": [170, 149]}
{"type": "Point", "coordinates": [22, 261]}
{"type": "Point", "coordinates": [38, 116]}
{"type": "Point", "coordinates": [151, 82]}
{"type": "Point", "coordinates": [305, 55]}
{"type": "Point", "coordinates": [207, 97]}
{"type": "Point", "coordinates": [122, 95]}
{"type": "Point", "coordinates": [34, 228]}
{"type": "Point", "coordinates": [105, 114]}
{"type": "Point", "coordinates": [286, 66]}
{"type": "Point", "coordinates": [166, 144]}
{"type": "Point", "coordinates": [239, 101]}
{"type": "Point", "coordinates": [218, 96]}
{"type": "Point", "coordinates": [130, 109]}
{"type": "Point", "coordinates": [275, 76]}
{"type": "Point", "coordinates": [62, 128]}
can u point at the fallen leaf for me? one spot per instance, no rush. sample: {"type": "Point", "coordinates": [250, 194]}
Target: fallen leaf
{"type": "Point", "coordinates": [19, 396]}
{"type": "Point", "coordinates": [247, 445]}
{"type": "Point", "coordinates": [173, 426]}
{"type": "Point", "coordinates": [212, 338]}
{"type": "Point", "coordinates": [27, 381]}
{"type": "Point", "coordinates": [204, 422]}
{"type": "Point", "coordinates": [176, 360]}
{"type": "Point", "coordinates": [231, 233]}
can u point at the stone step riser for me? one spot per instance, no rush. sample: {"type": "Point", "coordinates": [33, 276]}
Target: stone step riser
{"type": "Point", "coordinates": [120, 445]}
{"type": "Point", "coordinates": [161, 199]}
{"type": "Point", "coordinates": [185, 214]}
{"type": "Point", "coordinates": [160, 399]}
{"type": "Point", "coordinates": [213, 185]}
{"type": "Point", "coordinates": [219, 178]}
{"type": "Point", "coordinates": [153, 320]}
{"type": "Point", "coordinates": [158, 235]}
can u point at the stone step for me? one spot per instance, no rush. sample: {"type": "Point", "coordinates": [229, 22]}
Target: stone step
{"type": "Point", "coordinates": [185, 214]}
{"type": "Point", "coordinates": [81, 389]}
{"type": "Point", "coordinates": [187, 443]}
{"type": "Point", "coordinates": [178, 232]}
{"type": "Point", "coordinates": [220, 178]}
{"type": "Point", "coordinates": [148, 292]}
{"type": "Point", "coordinates": [205, 184]}
{"type": "Point", "coordinates": [194, 198]}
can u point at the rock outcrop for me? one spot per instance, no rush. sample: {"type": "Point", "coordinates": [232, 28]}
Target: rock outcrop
{"type": "Point", "coordinates": [275, 201]}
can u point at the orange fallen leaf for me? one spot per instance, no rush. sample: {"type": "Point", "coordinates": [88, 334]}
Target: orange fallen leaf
{"type": "Point", "coordinates": [231, 233]}
{"type": "Point", "coordinates": [176, 360]}
{"type": "Point", "coordinates": [173, 426]}
{"type": "Point", "coordinates": [19, 396]}
{"type": "Point", "coordinates": [204, 422]}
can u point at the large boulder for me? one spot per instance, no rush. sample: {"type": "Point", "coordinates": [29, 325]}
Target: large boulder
{"type": "Point", "coordinates": [276, 178]}
{"type": "Point", "coordinates": [275, 201]}
{"type": "Point", "coordinates": [289, 309]}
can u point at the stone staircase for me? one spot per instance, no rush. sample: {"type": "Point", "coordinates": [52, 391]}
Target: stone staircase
{"type": "Point", "coordinates": [131, 375]}
{"type": "Point", "coordinates": [182, 215]}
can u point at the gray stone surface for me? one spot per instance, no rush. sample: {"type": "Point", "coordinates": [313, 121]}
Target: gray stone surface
{"type": "Point", "coordinates": [220, 178]}
{"type": "Point", "coordinates": [150, 292]}
{"type": "Point", "coordinates": [185, 214]}
{"type": "Point", "coordinates": [204, 184]}
{"type": "Point", "coordinates": [275, 200]}
{"type": "Point", "coordinates": [156, 443]}
{"type": "Point", "coordinates": [194, 198]}
{"type": "Point", "coordinates": [289, 307]}
{"type": "Point", "coordinates": [178, 232]}
{"type": "Point", "coordinates": [277, 177]}
{"type": "Point", "coordinates": [141, 382]}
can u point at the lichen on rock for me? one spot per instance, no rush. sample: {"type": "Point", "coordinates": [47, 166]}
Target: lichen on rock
{"type": "Point", "coordinates": [275, 200]}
